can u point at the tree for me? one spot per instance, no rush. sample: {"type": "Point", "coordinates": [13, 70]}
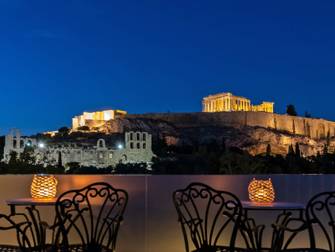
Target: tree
{"type": "Point", "coordinates": [60, 163]}
{"type": "Point", "coordinates": [84, 128]}
{"type": "Point", "coordinates": [328, 138]}
{"type": "Point", "coordinates": [325, 150]}
{"type": "Point", "coordinates": [64, 131]}
{"type": "Point", "coordinates": [27, 156]}
{"type": "Point", "coordinates": [297, 150]}
{"type": "Point", "coordinates": [223, 145]}
{"type": "Point", "coordinates": [290, 110]}
{"type": "Point", "coordinates": [268, 150]}
{"type": "Point", "coordinates": [212, 146]}
{"type": "Point", "coordinates": [290, 150]}
{"type": "Point", "coordinates": [12, 157]}
{"type": "Point", "coordinates": [72, 166]}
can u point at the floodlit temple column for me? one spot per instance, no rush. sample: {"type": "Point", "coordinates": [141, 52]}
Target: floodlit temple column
{"type": "Point", "coordinates": [228, 102]}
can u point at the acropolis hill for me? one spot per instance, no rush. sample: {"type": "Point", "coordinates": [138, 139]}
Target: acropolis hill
{"type": "Point", "coordinates": [226, 109]}
{"type": "Point", "coordinates": [249, 127]}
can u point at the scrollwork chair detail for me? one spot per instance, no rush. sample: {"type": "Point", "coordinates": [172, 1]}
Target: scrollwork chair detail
{"type": "Point", "coordinates": [319, 221]}
{"type": "Point", "coordinates": [26, 240]}
{"type": "Point", "coordinates": [91, 216]}
{"type": "Point", "coordinates": [285, 230]}
{"type": "Point", "coordinates": [320, 216]}
{"type": "Point", "coordinates": [209, 218]}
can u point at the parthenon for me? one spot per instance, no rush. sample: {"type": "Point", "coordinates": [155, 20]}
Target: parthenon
{"type": "Point", "coordinates": [227, 102]}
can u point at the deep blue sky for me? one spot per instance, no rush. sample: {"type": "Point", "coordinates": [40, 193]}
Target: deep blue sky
{"type": "Point", "coordinates": [59, 58]}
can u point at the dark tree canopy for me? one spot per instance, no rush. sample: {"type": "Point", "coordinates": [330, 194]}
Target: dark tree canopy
{"type": "Point", "coordinates": [291, 151]}
{"type": "Point", "coordinates": [64, 130]}
{"type": "Point", "coordinates": [59, 162]}
{"type": "Point", "coordinates": [297, 150]}
{"type": "Point", "coordinates": [291, 110]}
{"type": "Point", "coordinates": [84, 128]}
{"type": "Point", "coordinates": [268, 150]}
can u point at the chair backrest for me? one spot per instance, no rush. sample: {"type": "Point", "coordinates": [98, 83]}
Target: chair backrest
{"type": "Point", "coordinates": [209, 218]}
{"type": "Point", "coordinates": [320, 216]}
{"type": "Point", "coordinates": [22, 227]}
{"type": "Point", "coordinates": [91, 216]}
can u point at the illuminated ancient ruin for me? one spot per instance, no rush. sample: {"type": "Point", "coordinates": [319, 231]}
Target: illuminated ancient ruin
{"type": "Point", "coordinates": [136, 147]}
{"type": "Point", "coordinates": [227, 102]}
{"type": "Point", "coordinates": [95, 119]}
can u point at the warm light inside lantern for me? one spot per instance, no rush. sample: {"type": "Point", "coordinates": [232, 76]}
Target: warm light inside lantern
{"type": "Point", "coordinates": [261, 191]}
{"type": "Point", "coordinates": [44, 187]}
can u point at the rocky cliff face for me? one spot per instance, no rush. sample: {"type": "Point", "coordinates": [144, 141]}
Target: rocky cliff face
{"type": "Point", "coordinates": [253, 139]}
{"type": "Point", "coordinates": [310, 127]}
{"type": "Point", "coordinates": [155, 127]}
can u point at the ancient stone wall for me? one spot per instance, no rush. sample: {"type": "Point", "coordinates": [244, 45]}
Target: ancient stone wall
{"type": "Point", "coordinates": [314, 128]}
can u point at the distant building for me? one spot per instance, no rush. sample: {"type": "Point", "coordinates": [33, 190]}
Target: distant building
{"type": "Point", "coordinates": [95, 119]}
{"type": "Point", "coordinates": [14, 142]}
{"type": "Point", "coordinates": [135, 148]}
{"type": "Point", "coordinates": [227, 102]}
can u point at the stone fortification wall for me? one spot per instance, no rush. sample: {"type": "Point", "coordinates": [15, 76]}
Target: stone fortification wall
{"type": "Point", "coordinates": [314, 128]}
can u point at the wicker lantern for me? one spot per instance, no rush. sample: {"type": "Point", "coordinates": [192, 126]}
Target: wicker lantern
{"type": "Point", "coordinates": [261, 191]}
{"type": "Point", "coordinates": [44, 187]}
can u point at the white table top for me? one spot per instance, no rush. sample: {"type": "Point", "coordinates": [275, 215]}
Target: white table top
{"type": "Point", "coordinates": [277, 205]}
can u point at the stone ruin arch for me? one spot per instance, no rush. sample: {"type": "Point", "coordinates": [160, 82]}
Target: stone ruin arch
{"type": "Point", "coordinates": [101, 144]}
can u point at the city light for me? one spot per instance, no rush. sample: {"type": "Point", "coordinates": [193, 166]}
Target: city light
{"type": "Point", "coordinates": [120, 146]}
{"type": "Point", "coordinates": [41, 145]}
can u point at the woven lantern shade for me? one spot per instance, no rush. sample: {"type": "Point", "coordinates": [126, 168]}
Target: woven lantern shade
{"type": "Point", "coordinates": [44, 187]}
{"type": "Point", "coordinates": [261, 191]}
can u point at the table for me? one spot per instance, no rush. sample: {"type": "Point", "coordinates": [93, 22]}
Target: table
{"type": "Point", "coordinates": [39, 227]}
{"type": "Point", "coordinates": [30, 202]}
{"type": "Point", "coordinates": [256, 232]}
{"type": "Point", "coordinates": [275, 206]}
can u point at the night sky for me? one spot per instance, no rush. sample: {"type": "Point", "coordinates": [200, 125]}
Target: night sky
{"type": "Point", "coordinates": [59, 58]}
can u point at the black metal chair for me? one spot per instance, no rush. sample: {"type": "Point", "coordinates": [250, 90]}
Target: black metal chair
{"type": "Point", "coordinates": [90, 218]}
{"type": "Point", "coordinates": [23, 228]}
{"type": "Point", "coordinates": [210, 219]}
{"type": "Point", "coordinates": [320, 217]}
{"type": "Point", "coordinates": [285, 230]}
{"type": "Point", "coordinates": [319, 221]}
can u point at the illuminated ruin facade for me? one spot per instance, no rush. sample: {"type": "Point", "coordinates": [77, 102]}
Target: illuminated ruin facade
{"type": "Point", "coordinates": [227, 102]}
{"type": "Point", "coordinates": [95, 119]}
